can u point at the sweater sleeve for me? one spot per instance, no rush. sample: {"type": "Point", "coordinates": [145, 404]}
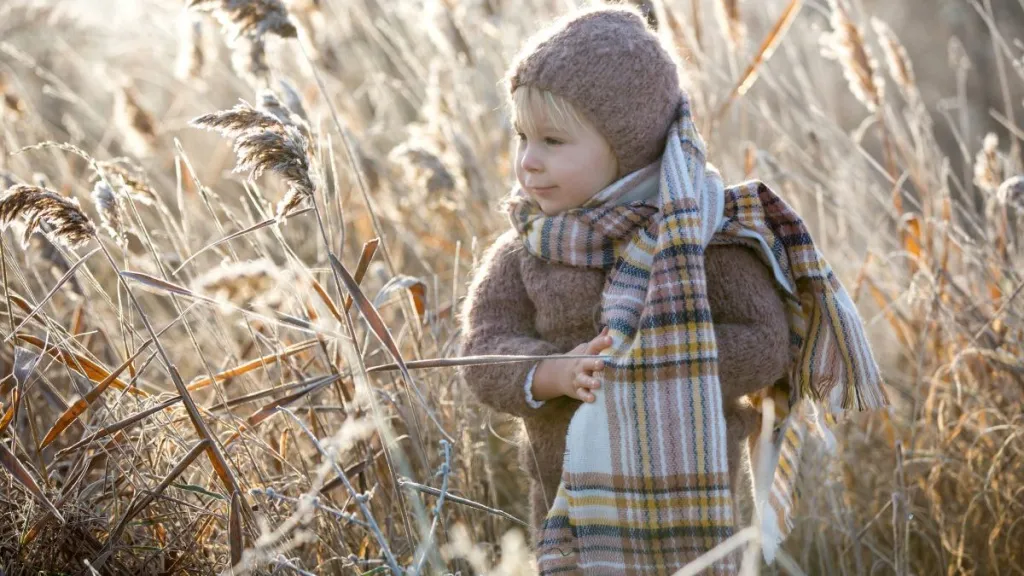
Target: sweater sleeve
{"type": "Point", "coordinates": [528, 389]}
{"type": "Point", "coordinates": [749, 315]}
{"type": "Point", "coordinates": [498, 318]}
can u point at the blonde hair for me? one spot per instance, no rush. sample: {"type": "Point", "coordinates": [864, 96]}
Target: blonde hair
{"type": "Point", "coordinates": [529, 103]}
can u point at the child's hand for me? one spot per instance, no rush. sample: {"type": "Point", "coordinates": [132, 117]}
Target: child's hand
{"type": "Point", "coordinates": [575, 377]}
{"type": "Point", "coordinates": [581, 378]}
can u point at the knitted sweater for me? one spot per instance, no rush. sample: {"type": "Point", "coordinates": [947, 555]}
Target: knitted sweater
{"type": "Point", "coordinates": [520, 304]}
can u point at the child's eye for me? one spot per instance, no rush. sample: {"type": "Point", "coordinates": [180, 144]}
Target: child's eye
{"type": "Point", "coordinates": [552, 141]}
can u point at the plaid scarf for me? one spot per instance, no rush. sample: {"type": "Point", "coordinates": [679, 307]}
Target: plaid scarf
{"type": "Point", "coordinates": [645, 485]}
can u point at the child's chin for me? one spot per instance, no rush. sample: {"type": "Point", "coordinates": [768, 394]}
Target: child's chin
{"type": "Point", "coordinates": [550, 209]}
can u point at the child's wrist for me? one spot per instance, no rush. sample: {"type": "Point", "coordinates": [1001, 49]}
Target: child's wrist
{"type": "Point", "coordinates": [547, 382]}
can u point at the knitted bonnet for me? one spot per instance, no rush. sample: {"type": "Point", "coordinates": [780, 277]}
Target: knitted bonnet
{"type": "Point", "coordinates": [612, 68]}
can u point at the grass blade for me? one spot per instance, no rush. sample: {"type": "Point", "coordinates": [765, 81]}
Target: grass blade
{"type": "Point", "coordinates": [271, 408]}
{"type": "Point", "coordinates": [417, 290]}
{"type": "Point", "coordinates": [80, 405]}
{"type": "Point", "coordinates": [162, 285]}
{"type": "Point", "coordinates": [369, 249]}
{"type": "Point", "coordinates": [148, 498]}
{"type": "Point", "coordinates": [370, 314]}
{"type": "Point", "coordinates": [376, 324]}
{"type": "Point", "coordinates": [25, 363]}
{"type": "Point", "coordinates": [118, 426]}
{"type": "Point", "coordinates": [235, 528]}
{"type": "Point", "coordinates": [246, 398]}
{"type": "Point", "coordinates": [22, 475]}
{"type": "Point", "coordinates": [229, 237]}
{"type": "Point", "coordinates": [81, 364]}
{"type": "Point", "coordinates": [9, 414]}
{"type": "Point", "coordinates": [67, 276]}
{"type": "Point", "coordinates": [251, 365]}
{"type": "Point", "coordinates": [326, 300]}
{"type": "Point", "coordinates": [465, 361]}
{"type": "Point", "coordinates": [771, 42]}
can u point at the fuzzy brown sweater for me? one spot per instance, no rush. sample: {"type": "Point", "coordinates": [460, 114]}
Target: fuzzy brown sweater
{"type": "Point", "coordinates": [520, 304]}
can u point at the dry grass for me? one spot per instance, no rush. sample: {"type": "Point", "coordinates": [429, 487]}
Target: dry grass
{"type": "Point", "coordinates": [236, 370]}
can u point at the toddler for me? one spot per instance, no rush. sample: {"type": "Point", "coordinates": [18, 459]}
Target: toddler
{"type": "Point", "coordinates": [624, 243]}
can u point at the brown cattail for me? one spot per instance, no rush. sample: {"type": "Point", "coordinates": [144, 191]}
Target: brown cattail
{"type": "Point", "coordinates": [252, 18]}
{"type": "Point", "coordinates": [988, 170]}
{"type": "Point", "coordinates": [191, 53]}
{"type": "Point", "coordinates": [728, 14]}
{"type": "Point", "coordinates": [105, 202]}
{"type": "Point", "coordinates": [68, 224]}
{"type": "Point", "coordinates": [846, 45]}
{"type": "Point", "coordinates": [136, 123]}
{"type": "Point", "coordinates": [900, 67]}
{"type": "Point", "coordinates": [263, 141]}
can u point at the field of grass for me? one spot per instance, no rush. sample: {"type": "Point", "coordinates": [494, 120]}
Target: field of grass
{"type": "Point", "coordinates": [199, 341]}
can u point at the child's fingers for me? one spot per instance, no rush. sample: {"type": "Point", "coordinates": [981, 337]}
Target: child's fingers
{"type": "Point", "coordinates": [583, 381]}
{"type": "Point", "coordinates": [585, 395]}
{"type": "Point", "coordinates": [598, 344]}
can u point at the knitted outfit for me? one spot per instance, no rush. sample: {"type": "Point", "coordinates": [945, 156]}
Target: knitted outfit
{"type": "Point", "coordinates": [616, 73]}
{"type": "Point", "coordinates": [523, 305]}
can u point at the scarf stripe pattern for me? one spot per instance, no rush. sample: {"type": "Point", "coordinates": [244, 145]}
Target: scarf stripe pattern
{"type": "Point", "coordinates": [645, 485]}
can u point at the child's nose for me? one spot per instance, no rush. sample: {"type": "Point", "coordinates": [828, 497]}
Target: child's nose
{"type": "Point", "coordinates": [531, 161]}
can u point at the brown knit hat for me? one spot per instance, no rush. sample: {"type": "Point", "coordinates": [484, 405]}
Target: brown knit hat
{"type": "Point", "coordinates": [614, 70]}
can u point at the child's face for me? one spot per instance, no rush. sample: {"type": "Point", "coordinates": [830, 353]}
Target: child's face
{"type": "Point", "coordinates": [562, 168]}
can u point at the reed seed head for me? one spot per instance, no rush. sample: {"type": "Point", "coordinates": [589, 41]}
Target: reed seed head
{"type": "Point", "coordinates": [128, 182]}
{"type": "Point", "coordinates": [251, 18]}
{"type": "Point", "coordinates": [263, 141]}
{"type": "Point", "coordinates": [422, 168]}
{"type": "Point", "coordinates": [191, 53]}
{"type": "Point", "coordinates": [846, 45]}
{"type": "Point", "coordinates": [988, 170]}
{"type": "Point", "coordinates": [136, 123]}
{"type": "Point", "coordinates": [901, 69]}
{"type": "Point", "coordinates": [105, 202]}
{"type": "Point", "coordinates": [254, 282]}
{"type": "Point", "coordinates": [38, 206]}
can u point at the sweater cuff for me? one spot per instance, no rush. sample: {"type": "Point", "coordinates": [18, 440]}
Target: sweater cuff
{"type": "Point", "coordinates": [528, 388]}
